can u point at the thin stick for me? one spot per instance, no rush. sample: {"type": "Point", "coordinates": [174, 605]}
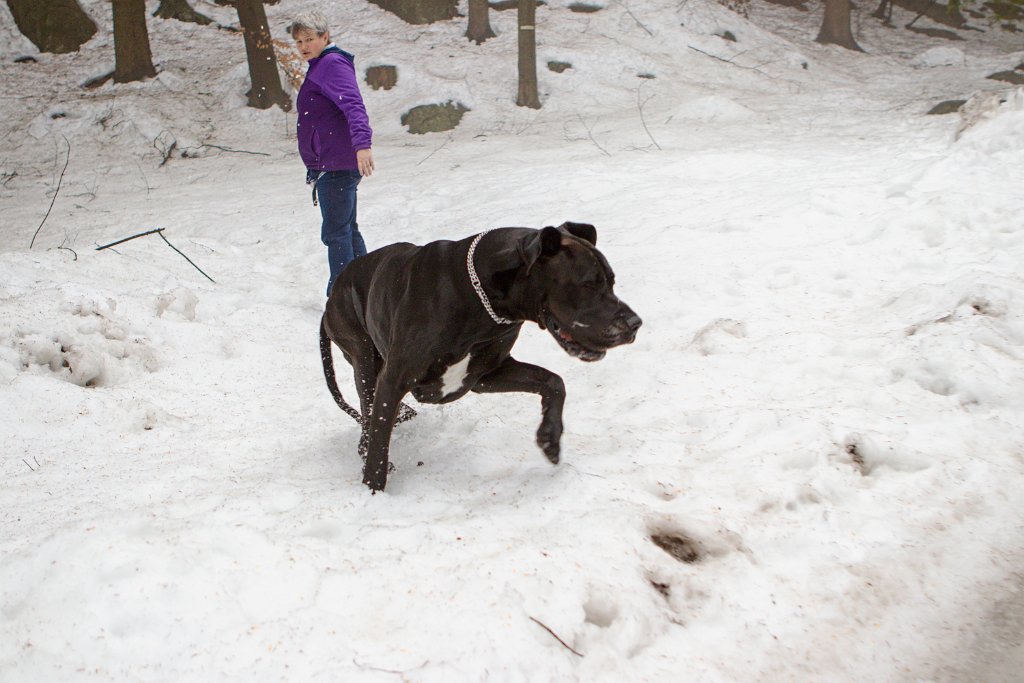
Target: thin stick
{"type": "Point", "coordinates": [721, 59]}
{"type": "Point", "coordinates": [590, 135]}
{"type": "Point", "coordinates": [436, 150]}
{"type": "Point", "coordinates": [640, 106]}
{"type": "Point", "coordinates": [186, 258]}
{"type": "Point", "coordinates": [141, 234]}
{"type": "Point", "coordinates": [158, 231]}
{"type": "Point", "coordinates": [556, 637]}
{"type": "Point", "coordinates": [66, 162]}
{"type": "Point", "coordinates": [630, 13]}
{"type": "Point", "coordinates": [27, 465]}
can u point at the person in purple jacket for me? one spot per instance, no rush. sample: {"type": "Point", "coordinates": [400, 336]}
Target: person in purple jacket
{"type": "Point", "coordinates": [334, 137]}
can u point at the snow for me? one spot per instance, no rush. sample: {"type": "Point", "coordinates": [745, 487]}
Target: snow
{"type": "Point", "coordinates": [820, 422]}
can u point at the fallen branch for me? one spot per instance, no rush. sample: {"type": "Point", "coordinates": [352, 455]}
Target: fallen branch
{"type": "Point", "coordinates": [157, 231]}
{"type": "Point", "coordinates": [56, 192]}
{"type": "Point", "coordinates": [556, 637]}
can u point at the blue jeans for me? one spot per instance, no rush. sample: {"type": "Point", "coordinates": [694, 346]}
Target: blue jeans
{"type": "Point", "coordinates": [336, 192]}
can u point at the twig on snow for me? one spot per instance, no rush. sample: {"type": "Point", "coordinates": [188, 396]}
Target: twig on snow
{"type": "Point", "coordinates": [186, 257]}
{"type": "Point", "coordinates": [165, 150]}
{"type": "Point", "coordinates": [141, 234]}
{"type": "Point", "coordinates": [367, 667]}
{"type": "Point", "coordinates": [436, 150]}
{"type": "Point", "coordinates": [708, 54]}
{"type": "Point", "coordinates": [158, 231]}
{"type": "Point", "coordinates": [556, 637]}
{"type": "Point", "coordinates": [590, 135]}
{"type": "Point", "coordinates": [237, 151]}
{"type": "Point", "coordinates": [638, 22]}
{"type": "Point", "coordinates": [56, 192]}
{"type": "Point", "coordinates": [643, 122]}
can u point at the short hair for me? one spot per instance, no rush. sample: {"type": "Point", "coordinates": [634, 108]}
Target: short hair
{"type": "Point", "coordinates": [308, 21]}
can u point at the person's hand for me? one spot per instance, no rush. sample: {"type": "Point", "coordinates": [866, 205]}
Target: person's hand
{"type": "Point", "coordinates": [364, 159]}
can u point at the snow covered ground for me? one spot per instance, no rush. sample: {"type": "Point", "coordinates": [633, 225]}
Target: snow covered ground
{"type": "Point", "coordinates": [809, 467]}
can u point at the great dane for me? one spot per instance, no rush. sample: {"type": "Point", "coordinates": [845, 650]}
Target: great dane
{"type": "Point", "coordinates": [440, 320]}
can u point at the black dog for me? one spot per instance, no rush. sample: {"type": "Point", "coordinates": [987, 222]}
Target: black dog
{"type": "Point", "coordinates": [440, 320]}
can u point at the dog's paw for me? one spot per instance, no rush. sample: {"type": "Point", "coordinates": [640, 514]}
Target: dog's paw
{"type": "Point", "coordinates": [376, 480]}
{"type": "Point", "coordinates": [549, 440]}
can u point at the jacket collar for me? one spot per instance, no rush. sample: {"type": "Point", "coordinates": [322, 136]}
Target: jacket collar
{"type": "Point", "coordinates": [332, 48]}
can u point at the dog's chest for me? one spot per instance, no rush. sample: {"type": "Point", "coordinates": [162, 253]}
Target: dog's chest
{"type": "Point", "coordinates": [448, 380]}
{"type": "Point", "coordinates": [454, 377]}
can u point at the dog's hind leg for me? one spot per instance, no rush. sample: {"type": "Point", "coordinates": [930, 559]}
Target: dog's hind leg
{"type": "Point", "coordinates": [366, 363]}
{"type": "Point", "coordinates": [515, 376]}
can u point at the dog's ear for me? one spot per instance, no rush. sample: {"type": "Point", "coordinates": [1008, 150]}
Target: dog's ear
{"type": "Point", "coordinates": [585, 231]}
{"type": "Point", "coordinates": [541, 244]}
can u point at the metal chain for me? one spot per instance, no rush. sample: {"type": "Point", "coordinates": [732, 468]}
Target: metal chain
{"type": "Point", "coordinates": [475, 280]}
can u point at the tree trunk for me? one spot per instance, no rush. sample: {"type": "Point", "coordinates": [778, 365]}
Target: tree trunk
{"type": "Point", "coordinates": [133, 60]}
{"type": "Point", "coordinates": [479, 26]}
{"type": "Point", "coordinates": [266, 88]}
{"type": "Point", "coordinates": [528, 96]}
{"type": "Point", "coordinates": [180, 10]}
{"type": "Point", "coordinates": [835, 27]}
{"type": "Point", "coordinates": [884, 12]}
{"type": "Point", "coordinates": [53, 25]}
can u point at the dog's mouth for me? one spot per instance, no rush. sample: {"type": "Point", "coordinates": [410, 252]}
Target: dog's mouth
{"type": "Point", "coordinates": [568, 343]}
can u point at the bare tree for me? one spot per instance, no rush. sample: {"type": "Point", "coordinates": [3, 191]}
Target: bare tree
{"type": "Point", "coordinates": [528, 96]}
{"type": "Point", "coordinates": [53, 25]}
{"type": "Point", "coordinates": [133, 60]}
{"type": "Point", "coordinates": [266, 88]}
{"type": "Point", "coordinates": [478, 27]}
{"type": "Point", "coordinates": [835, 27]}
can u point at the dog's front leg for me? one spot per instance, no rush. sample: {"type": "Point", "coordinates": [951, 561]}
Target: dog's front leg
{"type": "Point", "coordinates": [377, 428]}
{"type": "Point", "coordinates": [513, 375]}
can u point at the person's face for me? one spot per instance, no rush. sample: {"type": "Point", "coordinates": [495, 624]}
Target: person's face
{"type": "Point", "coordinates": [310, 43]}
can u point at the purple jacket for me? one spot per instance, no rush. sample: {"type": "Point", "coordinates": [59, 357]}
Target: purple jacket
{"type": "Point", "coordinates": [332, 121]}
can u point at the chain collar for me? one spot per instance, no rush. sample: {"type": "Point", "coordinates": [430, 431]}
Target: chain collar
{"type": "Point", "coordinates": [475, 280]}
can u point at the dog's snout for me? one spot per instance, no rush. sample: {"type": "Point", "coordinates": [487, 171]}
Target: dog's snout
{"type": "Point", "coordinates": [626, 325]}
{"type": "Point", "coordinates": [633, 322]}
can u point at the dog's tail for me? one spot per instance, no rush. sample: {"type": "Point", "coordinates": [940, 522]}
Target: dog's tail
{"type": "Point", "coordinates": [332, 382]}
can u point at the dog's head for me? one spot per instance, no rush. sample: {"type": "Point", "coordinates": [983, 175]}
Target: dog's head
{"type": "Point", "coordinates": [573, 286]}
